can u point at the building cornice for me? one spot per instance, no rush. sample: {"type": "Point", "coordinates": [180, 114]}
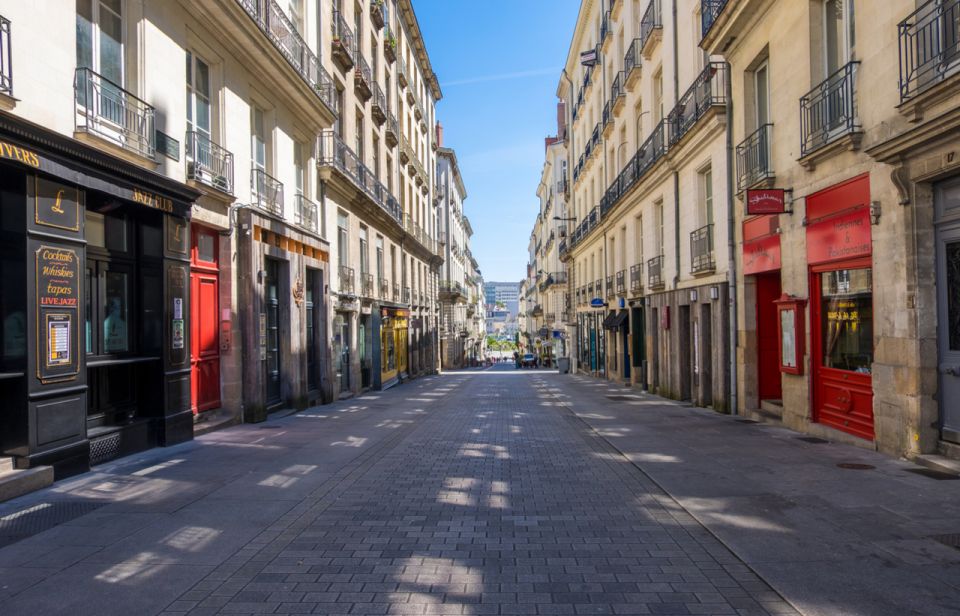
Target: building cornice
{"type": "Point", "coordinates": [416, 39]}
{"type": "Point", "coordinates": [450, 154]}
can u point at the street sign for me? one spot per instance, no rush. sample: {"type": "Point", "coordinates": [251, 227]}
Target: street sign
{"type": "Point", "coordinates": [596, 302]}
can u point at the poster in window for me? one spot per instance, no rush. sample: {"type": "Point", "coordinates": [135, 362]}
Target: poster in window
{"type": "Point", "coordinates": [788, 340]}
{"type": "Point", "coordinates": [58, 340]}
{"type": "Point", "coordinates": [791, 335]}
{"type": "Point", "coordinates": [177, 334]}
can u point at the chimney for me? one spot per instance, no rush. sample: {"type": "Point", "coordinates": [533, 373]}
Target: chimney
{"type": "Point", "coordinates": [439, 135]}
{"type": "Point", "coordinates": [562, 120]}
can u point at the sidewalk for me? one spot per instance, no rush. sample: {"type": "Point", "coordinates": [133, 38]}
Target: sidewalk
{"type": "Point", "coordinates": [833, 541]}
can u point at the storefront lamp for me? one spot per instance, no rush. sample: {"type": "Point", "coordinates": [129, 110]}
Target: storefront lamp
{"type": "Point", "coordinates": [714, 293]}
{"type": "Point", "coordinates": [693, 296]}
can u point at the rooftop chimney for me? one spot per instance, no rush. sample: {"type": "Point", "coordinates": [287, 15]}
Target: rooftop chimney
{"type": "Point", "coordinates": [439, 135]}
{"type": "Point", "coordinates": [562, 120]}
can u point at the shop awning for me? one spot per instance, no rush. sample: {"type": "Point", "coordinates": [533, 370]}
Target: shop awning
{"type": "Point", "coordinates": [615, 320]}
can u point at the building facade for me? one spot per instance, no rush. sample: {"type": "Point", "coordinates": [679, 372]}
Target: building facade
{"type": "Point", "coordinates": [455, 232]}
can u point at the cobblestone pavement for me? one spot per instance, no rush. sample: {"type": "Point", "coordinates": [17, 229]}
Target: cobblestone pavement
{"type": "Point", "coordinates": [469, 493]}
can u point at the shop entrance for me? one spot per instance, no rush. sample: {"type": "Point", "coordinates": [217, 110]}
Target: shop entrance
{"type": "Point", "coordinates": [842, 320]}
{"type": "Point", "coordinates": [769, 384]}
{"type": "Point", "coordinates": [271, 363]}
{"type": "Point", "coordinates": [947, 203]}
{"type": "Point", "coordinates": [204, 321]}
{"type": "Point", "coordinates": [341, 350]}
{"type": "Point", "coordinates": [639, 342]}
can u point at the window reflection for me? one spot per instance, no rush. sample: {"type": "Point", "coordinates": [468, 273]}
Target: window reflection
{"type": "Point", "coordinates": [847, 320]}
{"type": "Point", "coordinates": [115, 339]}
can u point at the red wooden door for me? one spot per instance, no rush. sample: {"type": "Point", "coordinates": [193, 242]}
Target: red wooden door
{"type": "Point", "coordinates": [204, 322]}
{"type": "Point", "coordinates": [770, 385]}
{"type": "Point", "coordinates": [842, 341]}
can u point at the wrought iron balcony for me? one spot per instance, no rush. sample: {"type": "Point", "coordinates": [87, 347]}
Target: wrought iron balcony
{"type": "Point", "coordinates": [347, 280]}
{"type": "Point", "coordinates": [754, 164]}
{"type": "Point", "coordinates": [379, 107]}
{"type": "Point", "coordinates": [362, 77]}
{"type": "Point", "coordinates": [632, 63]}
{"type": "Point", "coordinates": [336, 154]}
{"type": "Point", "coordinates": [396, 292]}
{"type": "Point", "coordinates": [651, 26]}
{"type": "Point", "coordinates": [604, 27]}
{"type": "Point", "coordinates": [929, 49]}
{"type": "Point", "coordinates": [607, 119]}
{"type": "Point", "coordinates": [590, 289]}
{"type": "Point", "coordinates": [209, 163]}
{"type": "Point", "coordinates": [709, 11]}
{"type": "Point", "coordinates": [267, 192]}
{"type": "Point", "coordinates": [342, 43]}
{"type": "Point", "coordinates": [621, 282]}
{"type": "Point", "coordinates": [305, 214]}
{"type": "Point", "coordinates": [595, 138]}
{"type": "Point", "coordinates": [636, 278]}
{"type": "Point", "coordinates": [618, 97]}
{"type": "Point", "coordinates": [701, 250]}
{"type": "Point", "coordinates": [366, 285]}
{"type": "Point", "coordinates": [384, 287]}
{"type": "Point", "coordinates": [271, 19]}
{"type": "Point", "coordinates": [829, 111]}
{"type": "Point", "coordinates": [392, 132]}
{"type": "Point", "coordinates": [108, 111]}
{"type": "Point", "coordinates": [402, 73]}
{"type": "Point", "coordinates": [376, 13]}
{"type": "Point", "coordinates": [655, 272]}
{"type": "Point", "coordinates": [389, 44]}
{"type": "Point", "coordinates": [549, 317]}
{"type": "Point", "coordinates": [6, 65]}
{"type": "Point", "coordinates": [708, 90]}
{"type": "Point", "coordinates": [598, 288]}
{"type": "Point", "coordinates": [611, 291]}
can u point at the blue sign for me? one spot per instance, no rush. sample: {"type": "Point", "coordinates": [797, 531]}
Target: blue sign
{"type": "Point", "coordinates": [597, 302]}
{"type": "Point", "coordinates": [623, 303]}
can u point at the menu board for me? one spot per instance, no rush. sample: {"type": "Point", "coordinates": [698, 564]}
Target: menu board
{"type": "Point", "coordinates": [58, 305]}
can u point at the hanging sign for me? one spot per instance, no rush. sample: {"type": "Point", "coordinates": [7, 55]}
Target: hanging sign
{"type": "Point", "coordinates": [597, 302]}
{"type": "Point", "coordinates": [766, 201]}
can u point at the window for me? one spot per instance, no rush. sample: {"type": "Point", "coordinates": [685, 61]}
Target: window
{"type": "Point", "coordinates": [657, 97]}
{"type": "Point", "coordinates": [658, 222]}
{"type": "Point", "coordinates": [374, 61]}
{"type": "Point", "coordinates": [376, 157]}
{"type": "Point", "coordinates": [258, 141]}
{"type": "Point", "coordinates": [705, 209]}
{"type": "Point", "coordinates": [359, 137]}
{"type": "Point", "coordinates": [343, 246]}
{"type": "Point", "coordinates": [839, 34]}
{"type": "Point", "coordinates": [298, 171]}
{"type": "Point", "coordinates": [364, 257]}
{"type": "Point", "coordinates": [100, 38]}
{"type": "Point", "coordinates": [295, 10]}
{"type": "Point", "coordinates": [338, 124]}
{"type": "Point", "coordinates": [379, 263]}
{"type": "Point", "coordinates": [639, 234]}
{"type": "Point", "coordinates": [358, 26]}
{"type": "Point", "coordinates": [198, 95]}
{"type": "Point", "coordinates": [761, 93]}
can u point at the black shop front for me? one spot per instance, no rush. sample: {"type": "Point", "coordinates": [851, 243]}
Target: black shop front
{"type": "Point", "coordinates": [94, 302]}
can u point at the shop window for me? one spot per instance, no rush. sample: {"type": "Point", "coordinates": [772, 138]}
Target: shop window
{"type": "Point", "coordinates": [116, 316]}
{"type": "Point", "coordinates": [847, 320]}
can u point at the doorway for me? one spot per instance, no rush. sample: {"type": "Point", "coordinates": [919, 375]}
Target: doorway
{"type": "Point", "coordinates": [947, 205]}
{"type": "Point", "coordinates": [204, 320]}
{"type": "Point", "coordinates": [639, 354]}
{"type": "Point", "coordinates": [271, 362]}
{"type": "Point", "coordinates": [769, 383]}
{"type": "Point", "coordinates": [684, 346]}
{"type": "Point", "coordinates": [706, 354]}
{"type": "Point", "coordinates": [341, 350]}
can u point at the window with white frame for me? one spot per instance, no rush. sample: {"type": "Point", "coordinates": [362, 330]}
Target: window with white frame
{"type": "Point", "coordinates": [198, 96]}
{"type": "Point", "coordinates": [100, 38]}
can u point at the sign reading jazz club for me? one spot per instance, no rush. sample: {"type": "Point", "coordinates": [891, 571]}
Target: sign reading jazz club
{"type": "Point", "coordinates": [766, 201]}
{"type": "Point", "coordinates": [58, 305]}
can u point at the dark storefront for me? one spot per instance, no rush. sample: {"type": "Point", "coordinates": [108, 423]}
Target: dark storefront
{"type": "Point", "coordinates": [96, 303]}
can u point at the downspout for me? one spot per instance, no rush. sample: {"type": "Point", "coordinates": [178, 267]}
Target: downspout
{"type": "Point", "coordinates": [603, 155]}
{"type": "Point", "coordinates": [666, 137]}
{"type": "Point", "coordinates": [571, 280]}
{"type": "Point", "coordinates": [731, 250]}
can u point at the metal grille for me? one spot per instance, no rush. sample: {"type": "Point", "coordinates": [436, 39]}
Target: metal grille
{"type": "Point", "coordinates": [104, 449]}
{"type": "Point", "coordinates": [38, 518]}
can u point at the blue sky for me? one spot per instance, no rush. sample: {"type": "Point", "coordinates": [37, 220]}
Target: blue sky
{"type": "Point", "coordinates": [499, 64]}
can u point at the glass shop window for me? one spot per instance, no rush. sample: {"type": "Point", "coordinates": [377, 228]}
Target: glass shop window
{"type": "Point", "coordinates": [846, 320]}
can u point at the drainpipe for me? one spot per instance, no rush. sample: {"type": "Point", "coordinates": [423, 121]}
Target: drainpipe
{"type": "Point", "coordinates": [731, 249]}
{"type": "Point", "coordinates": [571, 279]}
{"type": "Point", "coordinates": [676, 174]}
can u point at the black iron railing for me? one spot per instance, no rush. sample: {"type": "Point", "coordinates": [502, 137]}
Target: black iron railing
{"type": "Point", "coordinates": [362, 75]}
{"type": "Point", "coordinates": [378, 107]}
{"type": "Point", "coordinates": [595, 138]}
{"type": "Point", "coordinates": [598, 287]}
{"type": "Point", "coordinates": [616, 89]}
{"type": "Point", "coordinates": [709, 89]}
{"type": "Point", "coordinates": [709, 11]}
{"type": "Point", "coordinates": [6, 58]}
{"type": "Point", "coordinates": [366, 285]}
{"type": "Point", "coordinates": [396, 291]}
{"type": "Point", "coordinates": [305, 213]}
{"type": "Point", "coordinates": [829, 111]}
{"type": "Point", "coordinates": [754, 158]}
{"type": "Point", "coordinates": [384, 287]}
{"type": "Point", "coordinates": [274, 23]}
{"type": "Point", "coordinates": [655, 272]}
{"type": "Point", "coordinates": [610, 289]}
{"type": "Point", "coordinates": [636, 278]}
{"type": "Point", "coordinates": [604, 26]}
{"type": "Point", "coordinates": [701, 250]}
{"type": "Point", "coordinates": [342, 32]}
{"type": "Point", "coordinates": [267, 191]}
{"type": "Point", "coordinates": [621, 281]}
{"type": "Point", "coordinates": [347, 279]}
{"type": "Point", "coordinates": [335, 153]}
{"type": "Point", "coordinates": [607, 116]}
{"type": "Point", "coordinates": [651, 21]}
{"type": "Point", "coordinates": [105, 109]}
{"type": "Point", "coordinates": [633, 59]}
{"type": "Point", "coordinates": [929, 46]}
{"type": "Point", "coordinates": [208, 162]}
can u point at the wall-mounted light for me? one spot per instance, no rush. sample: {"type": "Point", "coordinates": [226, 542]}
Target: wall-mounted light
{"type": "Point", "coordinates": [693, 296]}
{"type": "Point", "coordinates": [714, 293]}
{"type": "Point", "coordinates": [874, 212]}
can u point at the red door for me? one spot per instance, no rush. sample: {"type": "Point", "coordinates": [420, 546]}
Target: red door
{"type": "Point", "coordinates": [842, 321]}
{"type": "Point", "coordinates": [204, 322]}
{"type": "Point", "coordinates": [770, 385]}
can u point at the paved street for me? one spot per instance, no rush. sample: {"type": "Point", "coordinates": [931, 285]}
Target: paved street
{"type": "Point", "coordinates": [488, 492]}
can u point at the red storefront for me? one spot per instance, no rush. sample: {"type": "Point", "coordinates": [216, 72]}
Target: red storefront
{"type": "Point", "coordinates": [761, 259]}
{"type": "Point", "coordinates": [839, 256]}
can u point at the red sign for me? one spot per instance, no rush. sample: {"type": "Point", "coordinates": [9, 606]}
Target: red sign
{"type": "Point", "coordinates": [766, 201]}
{"type": "Point", "coordinates": [761, 255]}
{"type": "Point", "coordinates": [839, 237]}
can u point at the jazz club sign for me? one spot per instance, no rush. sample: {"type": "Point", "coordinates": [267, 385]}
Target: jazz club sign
{"type": "Point", "coordinates": [766, 201]}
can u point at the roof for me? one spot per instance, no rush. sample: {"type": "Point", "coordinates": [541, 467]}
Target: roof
{"type": "Point", "coordinates": [416, 39]}
{"type": "Point", "coordinates": [450, 154]}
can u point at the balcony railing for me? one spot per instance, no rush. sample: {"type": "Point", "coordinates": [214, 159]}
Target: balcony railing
{"type": "Point", "coordinates": [396, 292]}
{"type": "Point", "coordinates": [611, 291]}
{"type": "Point", "coordinates": [633, 59]}
{"type": "Point", "coordinates": [701, 250]}
{"type": "Point", "coordinates": [272, 21]}
{"type": "Point", "coordinates": [379, 107]}
{"type": "Point", "coordinates": [362, 76]}
{"type": "Point", "coordinates": [105, 109]}
{"type": "Point", "coordinates": [929, 46]}
{"type": "Point", "coordinates": [617, 94]}
{"type": "Point", "coordinates": [655, 272]}
{"type": "Point", "coordinates": [347, 280]}
{"type": "Point", "coordinates": [651, 21]}
{"type": "Point", "coordinates": [709, 11]}
{"type": "Point", "coordinates": [754, 162]}
{"type": "Point", "coordinates": [306, 213]}
{"type": "Point", "coordinates": [343, 42]}
{"type": "Point", "coordinates": [829, 111]}
{"type": "Point", "coordinates": [209, 163]}
{"type": "Point", "coordinates": [621, 282]}
{"type": "Point", "coordinates": [604, 26]}
{"type": "Point", "coordinates": [267, 191]}
{"type": "Point", "coordinates": [709, 89]}
{"type": "Point", "coordinates": [636, 278]}
{"type": "Point", "coordinates": [384, 287]}
{"type": "Point", "coordinates": [376, 13]}
{"type": "Point", "coordinates": [6, 58]}
{"type": "Point", "coordinates": [366, 285]}
{"type": "Point", "coordinates": [389, 44]}
{"type": "Point", "coordinates": [335, 153]}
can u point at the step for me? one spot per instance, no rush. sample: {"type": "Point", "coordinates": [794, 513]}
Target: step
{"type": "Point", "coordinates": [16, 483]}
{"type": "Point", "coordinates": [6, 464]}
{"type": "Point", "coordinates": [939, 463]}
{"type": "Point", "coordinates": [949, 450]}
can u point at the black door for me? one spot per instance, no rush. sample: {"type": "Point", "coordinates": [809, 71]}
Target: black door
{"type": "Point", "coordinates": [271, 363]}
